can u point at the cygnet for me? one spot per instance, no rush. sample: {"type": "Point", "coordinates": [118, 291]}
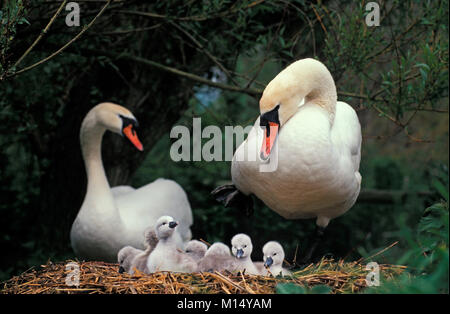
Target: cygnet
{"type": "Point", "coordinates": [242, 248]}
{"type": "Point", "coordinates": [273, 259]}
{"type": "Point", "coordinates": [196, 249]}
{"type": "Point", "coordinates": [125, 257]}
{"type": "Point", "coordinates": [166, 256]}
{"type": "Point", "coordinates": [139, 262]}
{"type": "Point", "coordinates": [218, 258]}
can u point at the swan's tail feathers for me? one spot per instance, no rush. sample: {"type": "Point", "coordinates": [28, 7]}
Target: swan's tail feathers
{"type": "Point", "coordinates": [230, 196]}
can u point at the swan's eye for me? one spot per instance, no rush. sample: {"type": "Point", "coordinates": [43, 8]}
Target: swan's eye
{"type": "Point", "coordinates": [274, 254]}
{"type": "Point", "coordinates": [163, 223]}
{"type": "Point", "coordinates": [245, 246]}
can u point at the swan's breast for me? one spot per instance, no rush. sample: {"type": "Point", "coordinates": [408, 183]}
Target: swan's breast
{"type": "Point", "coordinates": [309, 175]}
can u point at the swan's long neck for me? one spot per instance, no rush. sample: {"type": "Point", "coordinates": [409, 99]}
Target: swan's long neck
{"type": "Point", "coordinates": [98, 189]}
{"type": "Point", "coordinates": [316, 85]}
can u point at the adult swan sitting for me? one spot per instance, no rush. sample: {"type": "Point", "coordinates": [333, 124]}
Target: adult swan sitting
{"type": "Point", "coordinates": [110, 219]}
{"type": "Point", "coordinates": [315, 146]}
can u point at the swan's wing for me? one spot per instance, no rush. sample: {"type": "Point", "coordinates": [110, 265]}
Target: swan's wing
{"type": "Point", "coordinates": [142, 207]}
{"type": "Point", "coordinates": [121, 189]}
{"type": "Point", "coordinates": [346, 133]}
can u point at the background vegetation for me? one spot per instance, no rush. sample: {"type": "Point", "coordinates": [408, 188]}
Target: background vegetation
{"type": "Point", "coordinates": [158, 58]}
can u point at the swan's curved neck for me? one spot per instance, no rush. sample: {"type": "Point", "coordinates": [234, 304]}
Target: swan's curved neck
{"type": "Point", "coordinates": [319, 89]}
{"type": "Point", "coordinates": [306, 79]}
{"type": "Point", "coordinates": [91, 135]}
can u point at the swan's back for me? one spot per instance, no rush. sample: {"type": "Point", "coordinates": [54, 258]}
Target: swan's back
{"type": "Point", "coordinates": [141, 208]}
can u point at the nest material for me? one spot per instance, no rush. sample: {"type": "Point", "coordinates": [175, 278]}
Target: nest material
{"type": "Point", "coordinates": [103, 278]}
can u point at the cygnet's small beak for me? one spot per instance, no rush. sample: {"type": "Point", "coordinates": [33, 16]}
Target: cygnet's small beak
{"type": "Point", "coordinates": [239, 253]}
{"type": "Point", "coordinates": [173, 224]}
{"type": "Point", "coordinates": [268, 262]}
{"type": "Point", "coordinates": [121, 270]}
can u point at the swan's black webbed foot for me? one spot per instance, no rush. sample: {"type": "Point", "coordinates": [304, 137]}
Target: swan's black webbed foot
{"type": "Point", "coordinates": [230, 196]}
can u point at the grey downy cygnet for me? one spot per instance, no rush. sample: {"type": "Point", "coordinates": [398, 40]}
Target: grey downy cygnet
{"type": "Point", "coordinates": [196, 249]}
{"type": "Point", "coordinates": [125, 257]}
{"type": "Point", "coordinates": [139, 262]}
{"type": "Point", "coordinates": [218, 258]}
{"type": "Point", "coordinates": [273, 255]}
{"type": "Point", "coordinates": [166, 256]}
{"type": "Point", "coordinates": [242, 249]}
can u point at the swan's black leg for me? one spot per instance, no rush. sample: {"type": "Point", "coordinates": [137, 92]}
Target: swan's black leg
{"type": "Point", "coordinates": [230, 196]}
{"type": "Point", "coordinates": [316, 239]}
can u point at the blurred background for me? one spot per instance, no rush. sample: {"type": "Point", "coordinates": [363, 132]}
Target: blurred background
{"type": "Point", "coordinates": [170, 61]}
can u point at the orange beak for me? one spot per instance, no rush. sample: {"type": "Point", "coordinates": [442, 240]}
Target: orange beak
{"type": "Point", "coordinates": [131, 134]}
{"type": "Point", "coordinates": [270, 135]}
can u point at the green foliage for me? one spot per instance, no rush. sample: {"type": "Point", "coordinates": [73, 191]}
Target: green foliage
{"type": "Point", "coordinates": [11, 15]}
{"type": "Point", "coordinates": [290, 288]}
{"type": "Point", "coordinates": [426, 257]}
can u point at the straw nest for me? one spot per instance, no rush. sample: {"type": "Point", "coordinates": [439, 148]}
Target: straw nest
{"type": "Point", "coordinates": [103, 278]}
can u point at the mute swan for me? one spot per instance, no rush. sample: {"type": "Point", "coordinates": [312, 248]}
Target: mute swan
{"type": "Point", "coordinates": [110, 219]}
{"type": "Point", "coordinates": [242, 248]}
{"type": "Point", "coordinates": [317, 151]}
{"type": "Point", "coordinates": [166, 256]}
{"type": "Point", "coordinates": [273, 259]}
{"type": "Point", "coordinates": [218, 258]}
{"type": "Point", "coordinates": [196, 249]}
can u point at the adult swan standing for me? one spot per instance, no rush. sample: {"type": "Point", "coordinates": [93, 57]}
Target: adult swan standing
{"type": "Point", "coordinates": [316, 154]}
{"type": "Point", "coordinates": [111, 218]}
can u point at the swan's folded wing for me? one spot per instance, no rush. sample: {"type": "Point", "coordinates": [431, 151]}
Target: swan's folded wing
{"type": "Point", "coordinates": [142, 207]}
{"type": "Point", "coordinates": [346, 132]}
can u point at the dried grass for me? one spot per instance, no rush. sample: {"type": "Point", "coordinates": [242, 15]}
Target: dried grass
{"type": "Point", "coordinates": [103, 278]}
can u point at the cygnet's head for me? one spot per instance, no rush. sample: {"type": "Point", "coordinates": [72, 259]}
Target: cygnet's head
{"type": "Point", "coordinates": [124, 258]}
{"type": "Point", "coordinates": [196, 249]}
{"type": "Point", "coordinates": [273, 254]}
{"type": "Point", "coordinates": [218, 249]}
{"type": "Point", "coordinates": [241, 245]}
{"type": "Point", "coordinates": [150, 238]}
{"type": "Point", "coordinates": [165, 227]}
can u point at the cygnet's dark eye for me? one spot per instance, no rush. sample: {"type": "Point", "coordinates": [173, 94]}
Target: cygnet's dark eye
{"type": "Point", "coordinates": [274, 254]}
{"type": "Point", "coordinates": [163, 223]}
{"type": "Point", "coordinates": [245, 246]}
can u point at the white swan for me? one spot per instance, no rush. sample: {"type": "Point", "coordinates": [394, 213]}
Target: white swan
{"type": "Point", "coordinates": [110, 219]}
{"type": "Point", "coordinates": [313, 148]}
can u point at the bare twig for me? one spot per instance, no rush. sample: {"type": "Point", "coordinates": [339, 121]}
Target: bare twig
{"type": "Point", "coordinates": [44, 31]}
{"type": "Point", "coordinates": [85, 28]}
{"type": "Point", "coordinates": [191, 76]}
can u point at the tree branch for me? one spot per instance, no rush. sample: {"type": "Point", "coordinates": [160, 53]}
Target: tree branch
{"type": "Point", "coordinates": [85, 28]}
{"type": "Point", "coordinates": [190, 76]}
{"type": "Point", "coordinates": [43, 32]}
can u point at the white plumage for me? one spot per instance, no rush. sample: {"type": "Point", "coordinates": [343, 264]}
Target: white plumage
{"type": "Point", "coordinates": [317, 150]}
{"type": "Point", "coordinates": [110, 219]}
